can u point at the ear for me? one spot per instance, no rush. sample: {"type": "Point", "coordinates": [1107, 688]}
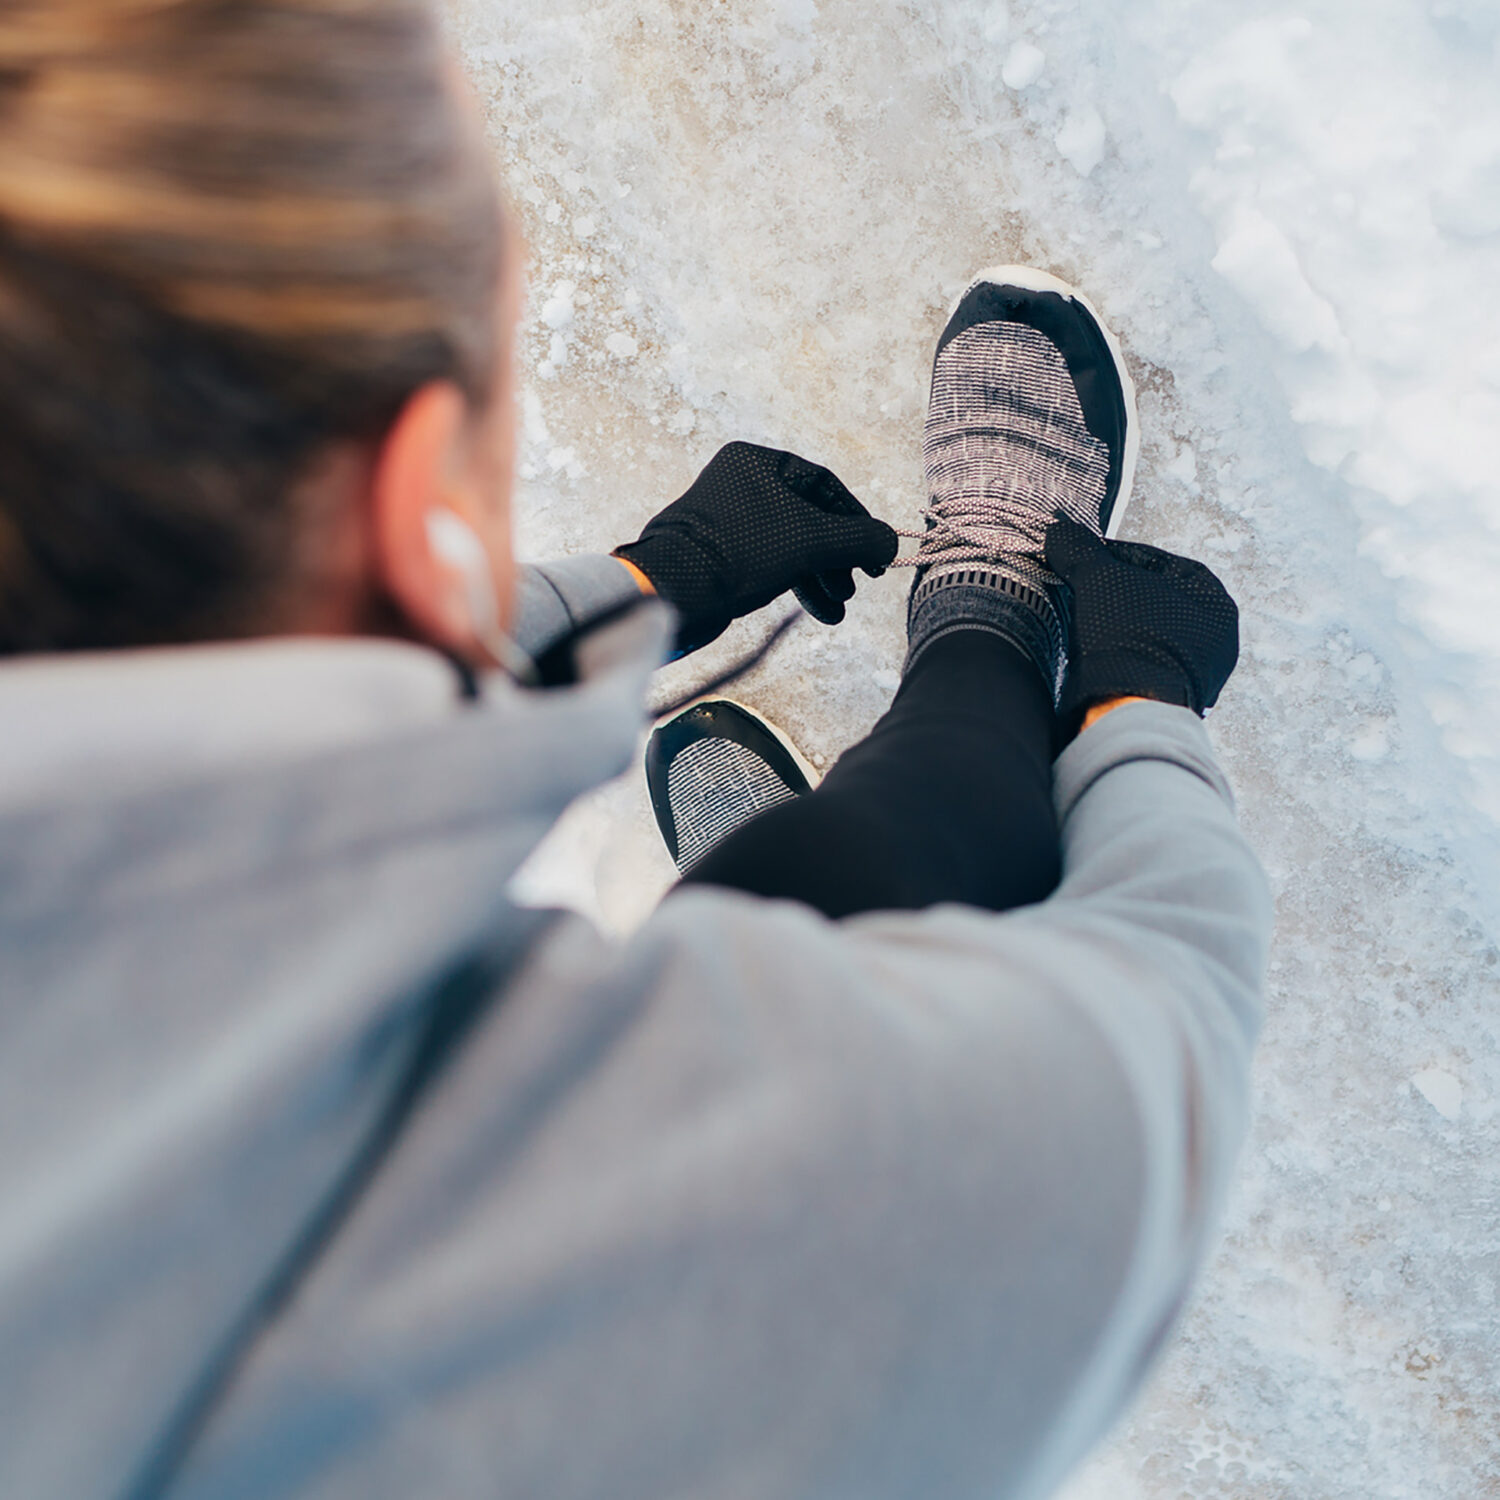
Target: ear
{"type": "Point", "coordinates": [419, 472]}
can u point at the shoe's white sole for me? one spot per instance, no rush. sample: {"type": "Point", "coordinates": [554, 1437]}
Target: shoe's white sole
{"type": "Point", "coordinates": [1030, 279]}
{"type": "Point", "coordinates": [814, 776]}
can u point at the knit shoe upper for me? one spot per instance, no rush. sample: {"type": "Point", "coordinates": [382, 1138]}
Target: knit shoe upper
{"type": "Point", "coordinates": [1032, 413]}
{"type": "Point", "coordinates": [711, 770]}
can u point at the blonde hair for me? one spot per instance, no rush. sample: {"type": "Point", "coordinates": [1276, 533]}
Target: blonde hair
{"type": "Point", "coordinates": [231, 232]}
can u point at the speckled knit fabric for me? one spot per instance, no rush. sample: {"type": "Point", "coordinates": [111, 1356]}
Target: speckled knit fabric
{"type": "Point", "coordinates": [1006, 448]}
{"type": "Point", "coordinates": [717, 786]}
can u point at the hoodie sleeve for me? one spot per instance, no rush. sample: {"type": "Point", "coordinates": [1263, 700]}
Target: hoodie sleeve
{"type": "Point", "coordinates": [756, 1203]}
{"type": "Point", "coordinates": [1157, 872]}
{"type": "Point", "coordinates": [553, 599]}
{"type": "Point", "coordinates": [1162, 890]}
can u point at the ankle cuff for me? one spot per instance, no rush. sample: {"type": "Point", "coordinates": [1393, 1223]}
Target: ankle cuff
{"type": "Point", "coordinates": [979, 598]}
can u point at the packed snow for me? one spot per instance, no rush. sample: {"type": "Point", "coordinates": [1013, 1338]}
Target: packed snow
{"type": "Point", "coordinates": [747, 220]}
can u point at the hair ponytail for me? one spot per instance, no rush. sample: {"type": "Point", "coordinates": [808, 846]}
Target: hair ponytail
{"type": "Point", "coordinates": [231, 233]}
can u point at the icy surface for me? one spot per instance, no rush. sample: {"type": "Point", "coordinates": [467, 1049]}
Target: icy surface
{"type": "Point", "coordinates": [748, 219]}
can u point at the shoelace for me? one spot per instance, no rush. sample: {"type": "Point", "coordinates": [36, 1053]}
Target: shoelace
{"type": "Point", "coordinates": [967, 529]}
{"type": "Point", "coordinates": [739, 668]}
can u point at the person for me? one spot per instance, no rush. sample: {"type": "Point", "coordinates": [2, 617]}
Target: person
{"type": "Point", "coordinates": [878, 1162]}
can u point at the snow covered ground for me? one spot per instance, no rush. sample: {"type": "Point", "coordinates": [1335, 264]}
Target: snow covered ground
{"type": "Point", "coordinates": [747, 219]}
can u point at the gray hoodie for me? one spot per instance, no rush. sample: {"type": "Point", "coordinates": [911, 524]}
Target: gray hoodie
{"type": "Point", "coordinates": [753, 1206]}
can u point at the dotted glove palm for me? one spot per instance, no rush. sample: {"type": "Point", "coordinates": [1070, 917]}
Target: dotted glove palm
{"type": "Point", "coordinates": [1144, 624]}
{"type": "Point", "coordinates": [756, 523]}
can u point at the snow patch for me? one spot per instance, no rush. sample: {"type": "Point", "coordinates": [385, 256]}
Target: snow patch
{"type": "Point", "coordinates": [1441, 1090]}
{"type": "Point", "coordinates": [1081, 139]}
{"type": "Point", "coordinates": [558, 311]}
{"type": "Point", "coordinates": [1257, 259]}
{"type": "Point", "coordinates": [1023, 66]}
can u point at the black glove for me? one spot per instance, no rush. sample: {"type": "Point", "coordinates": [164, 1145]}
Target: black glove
{"type": "Point", "coordinates": [756, 523]}
{"type": "Point", "coordinates": [1144, 624]}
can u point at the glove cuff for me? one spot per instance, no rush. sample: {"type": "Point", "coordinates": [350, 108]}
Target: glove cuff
{"type": "Point", "coordinates": [1124, 673]}
{"type": "Point", "coordinates": [674, 564]}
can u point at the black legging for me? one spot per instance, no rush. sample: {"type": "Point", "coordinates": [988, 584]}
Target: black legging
{"type": "Point", "coordinates": [948, 799]}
